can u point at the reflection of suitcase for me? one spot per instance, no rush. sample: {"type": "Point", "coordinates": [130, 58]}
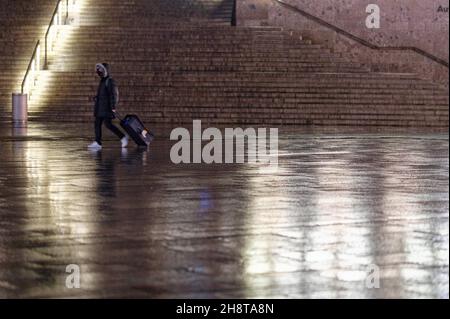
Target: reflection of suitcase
{"type": "Point", "coordinates": [136, 130]}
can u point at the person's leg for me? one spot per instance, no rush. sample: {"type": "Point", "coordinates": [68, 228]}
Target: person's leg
{"type": "Point", "coordinates": [114, 129]}
{"type": "Point", "coordinates": [98, 130]}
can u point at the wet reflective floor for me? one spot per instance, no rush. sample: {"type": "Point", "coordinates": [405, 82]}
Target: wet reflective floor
{"type": "Point", "coordinates": [346, 211]}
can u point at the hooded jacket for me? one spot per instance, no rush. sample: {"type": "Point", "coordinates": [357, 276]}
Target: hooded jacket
{"type": "Point", "coordinates": [107, 94]}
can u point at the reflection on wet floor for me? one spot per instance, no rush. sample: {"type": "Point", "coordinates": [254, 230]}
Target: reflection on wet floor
{"type": "Point", "coordinates": [140, 226]}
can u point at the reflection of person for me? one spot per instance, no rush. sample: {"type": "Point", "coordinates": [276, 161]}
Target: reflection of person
{"type": "Point", "coordinates": [110, 167]}
{"type": "Point", "coordinates": [105, 107]}
{"type": "Point", "coordinates": [106, 175]}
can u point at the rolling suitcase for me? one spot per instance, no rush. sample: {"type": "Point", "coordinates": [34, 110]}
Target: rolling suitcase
{"type": "Point", "coordinates": [136, 130]}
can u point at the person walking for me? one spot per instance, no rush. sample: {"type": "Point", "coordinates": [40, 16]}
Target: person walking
{"type": "Point", "coordinates": [106, 102]}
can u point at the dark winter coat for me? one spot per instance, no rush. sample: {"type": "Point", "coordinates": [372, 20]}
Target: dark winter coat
{"type": "Point", "coordinates": [106, 99]}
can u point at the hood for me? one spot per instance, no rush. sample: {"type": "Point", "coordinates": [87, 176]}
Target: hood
{"type": "Point", "coordinates": [104, 67]}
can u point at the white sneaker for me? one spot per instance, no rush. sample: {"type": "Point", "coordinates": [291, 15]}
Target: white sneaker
{"type": "Point", "coordinates": [95, 146]}
{"type": "Point", "coordinates": [124, 142]}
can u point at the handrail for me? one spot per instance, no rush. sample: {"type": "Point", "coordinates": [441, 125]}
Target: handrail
{"type": "Point", "coordinates": [55, 20]}
{"type": "Point", "coordinates": [35, 61]}
{"type": "Point", "coordinates": [33, 65]}
{"type": "Point", "coordinates": [359, 40]}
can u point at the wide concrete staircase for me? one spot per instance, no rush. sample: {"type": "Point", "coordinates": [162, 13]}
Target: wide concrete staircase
{"type": "Point", "coordinates": [142, 12]}
{"type": "Point", "coordinates": [174, 65]}
{"type": "Point", "coordinates": [22, 23]}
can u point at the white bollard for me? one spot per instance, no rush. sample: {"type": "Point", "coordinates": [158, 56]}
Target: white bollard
{"type": "Point", "coordinates": [20, 108]}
